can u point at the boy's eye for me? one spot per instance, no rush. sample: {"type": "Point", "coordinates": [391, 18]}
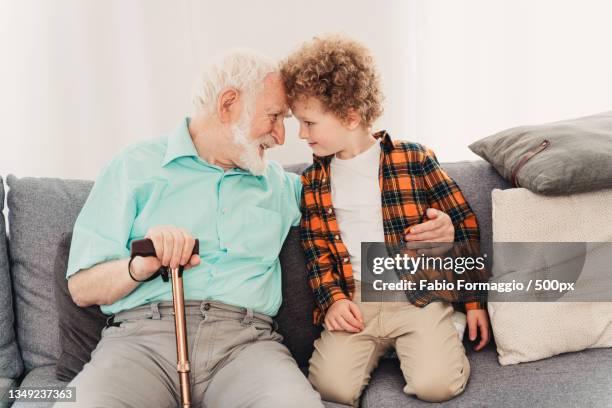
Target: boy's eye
{"type": "Point", "coordinates": [274, 117]}
{"type": "Point", "coordinates": [308, 123]}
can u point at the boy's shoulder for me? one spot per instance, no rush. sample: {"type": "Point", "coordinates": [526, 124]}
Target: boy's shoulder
{"type": "Point", "coordinates": [412, 152]}
{"type": "Point", "coordinates": [392, 145]}
{"type": "Point", "coordinates": [405, 149]}
{"type": "Point", "coordinates": [408, 146]}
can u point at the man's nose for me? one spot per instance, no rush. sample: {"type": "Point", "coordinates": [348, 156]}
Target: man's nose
{"type": "Point", "coordinates": [279, 134]}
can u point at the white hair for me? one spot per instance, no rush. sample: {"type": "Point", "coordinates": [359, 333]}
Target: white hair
{"type": "Point", "coordinates": [241, 69]}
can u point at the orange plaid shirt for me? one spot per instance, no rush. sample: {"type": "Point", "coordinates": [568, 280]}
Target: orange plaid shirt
{"type": "Point", "coordinates": [411, 181]}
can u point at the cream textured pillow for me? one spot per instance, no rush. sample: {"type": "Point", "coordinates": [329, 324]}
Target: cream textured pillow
{"type": "Point", "coordinates": [532, 331]}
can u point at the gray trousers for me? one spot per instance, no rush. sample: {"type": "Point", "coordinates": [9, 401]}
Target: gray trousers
{"type": "Point", "coordinates": [236, 356]}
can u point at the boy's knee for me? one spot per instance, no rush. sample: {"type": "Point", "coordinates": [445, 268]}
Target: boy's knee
{"type": "Point", "coordinates": [435, 391]}
{"type": "Point", "coordinates": [347, 394]}
{"type": "Point", "coordinates": [335, 389]}
{"type": "Point", "coordinates": [439, 386]}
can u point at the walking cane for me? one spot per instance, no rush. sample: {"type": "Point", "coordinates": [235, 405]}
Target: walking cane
{"type": "Point", "coordinates": [144, 248]}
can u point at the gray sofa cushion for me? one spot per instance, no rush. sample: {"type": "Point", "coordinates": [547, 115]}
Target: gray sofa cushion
{"type": "Point", "coordinates": [477, 179]}
{"type": "Point", "coordinates": [551, 382]}
{"type": "Point", "coordinates": [565, 157]}
{"type": "Point", "coordinates": [568, 380]}
{"type": "Point", "coordinates": [11, 365]}
{"type": "Point", "coordinates": [40, 211]}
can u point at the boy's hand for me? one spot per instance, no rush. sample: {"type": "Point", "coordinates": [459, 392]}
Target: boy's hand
{"type": "Point", "coordinates": [476, 319]}
{"type": "Point", "coordinates": [344, 315]}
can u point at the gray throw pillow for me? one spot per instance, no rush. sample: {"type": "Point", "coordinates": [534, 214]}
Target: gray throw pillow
{"type": "Point", "coordinates": [295, 316]}
{"type": "Point", "coordinates": [566, 157]}
{"type": "Point", "coordinates": [79, 328]}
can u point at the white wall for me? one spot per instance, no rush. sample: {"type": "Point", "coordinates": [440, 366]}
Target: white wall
{"type": "Point", "coordinates": [86, 78]}
{"type": "Point", "coordinates": [486, 65]}
{"type": "Point", "coordinates": [79, 80]}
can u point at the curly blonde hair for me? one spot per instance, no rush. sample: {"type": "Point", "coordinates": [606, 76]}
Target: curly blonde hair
{"type": "Point", "coordinates": [337, 71]}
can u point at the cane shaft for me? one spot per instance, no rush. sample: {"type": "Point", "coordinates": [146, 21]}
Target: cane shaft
{"type": "Point", "coordinates": [182, 352]}
{"type": "Point", "coordinates": [145, 247]}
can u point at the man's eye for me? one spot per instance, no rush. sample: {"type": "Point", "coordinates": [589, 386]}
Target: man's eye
{"type": "Point", "coordinates": [274, 117]}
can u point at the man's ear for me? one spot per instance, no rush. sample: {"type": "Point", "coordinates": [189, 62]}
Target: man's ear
{"type": "Point", "coordinates": [353, 119]}
{"type": "Point", "coordinates": [226, 104]}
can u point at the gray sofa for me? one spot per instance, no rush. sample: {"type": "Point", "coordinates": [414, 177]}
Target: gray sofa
{"type": "Point", "coordinates": [42, 211]}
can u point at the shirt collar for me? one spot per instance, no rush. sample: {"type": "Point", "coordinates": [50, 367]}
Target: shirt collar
{"type": "Point", "coordinates": [385, 140]}
{"type": "Point", "coordinates": [179, 143]}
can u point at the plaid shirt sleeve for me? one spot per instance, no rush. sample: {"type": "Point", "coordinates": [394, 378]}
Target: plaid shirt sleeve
{"type": "Point", "coordinates": [322, 277]}
{"type": "Point", "coordinates": [444, 195]}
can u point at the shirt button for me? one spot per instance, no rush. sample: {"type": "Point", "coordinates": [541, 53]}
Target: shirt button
{"type": "Point", "coordinates": [337, 237]}
{"type": "Point", "coordinates": [224, 210]}
{"type": "Point", "coordinates": [323, 179]}
{"type": "Point", "coordinates": [329, 211]}
{"type": "Point", "coordinates": [345, 260]}
{"type": "Point", "coordinates": [206, 306]}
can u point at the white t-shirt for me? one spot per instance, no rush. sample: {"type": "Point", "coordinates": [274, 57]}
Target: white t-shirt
{"type": "Point", "coordinates": [357, 203]}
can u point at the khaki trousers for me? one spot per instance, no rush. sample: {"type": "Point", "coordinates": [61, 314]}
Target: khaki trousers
{"type": "Point", "coordinates": [431, 354]}
{"type": "Point", "coordinates": [236, 357]}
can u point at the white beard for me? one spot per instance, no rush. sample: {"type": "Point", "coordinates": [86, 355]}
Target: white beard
{"type": "Point", "coordinates": [249, 157]}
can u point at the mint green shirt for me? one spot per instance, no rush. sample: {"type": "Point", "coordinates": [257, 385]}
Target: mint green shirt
{"type": "Point", "coordinates": [240, 219]}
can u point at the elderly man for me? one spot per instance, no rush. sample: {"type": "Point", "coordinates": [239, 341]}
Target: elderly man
{"type": "Point", "coordinates": [208, 179]}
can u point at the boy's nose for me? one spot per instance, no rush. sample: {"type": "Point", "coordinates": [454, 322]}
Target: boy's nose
{"type": "Point", "coordinates": [303, 134]}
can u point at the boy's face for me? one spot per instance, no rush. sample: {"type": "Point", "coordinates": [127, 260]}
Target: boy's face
{"type": "Point", "coordinates": [324, 132]}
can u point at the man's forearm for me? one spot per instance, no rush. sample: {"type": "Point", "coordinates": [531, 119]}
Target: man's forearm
{"type": "Point", "coordinates": [102, 284]}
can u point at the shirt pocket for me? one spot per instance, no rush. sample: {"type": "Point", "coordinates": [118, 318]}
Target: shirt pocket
{"type": "Point", "coordinates": [256, 233]}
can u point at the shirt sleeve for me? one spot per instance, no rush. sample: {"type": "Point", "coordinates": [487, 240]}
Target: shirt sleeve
{"type": "Point", "coordinates": [443, 194]}
{"type": "Point", "coordinates": [102, 229]}
{"type": "Point", "coordinates": [295, 194]}
{"type": "Point", "coordinates": [321, 278]}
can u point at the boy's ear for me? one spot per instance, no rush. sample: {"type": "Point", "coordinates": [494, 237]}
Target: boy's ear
{"type": "Point", "coordinates": [353, 119]}
{"type": "Point", "coordinates": [226, 104]}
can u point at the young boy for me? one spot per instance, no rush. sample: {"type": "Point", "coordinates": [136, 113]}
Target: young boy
{"type": "Point", "coordinates": [365, 187]}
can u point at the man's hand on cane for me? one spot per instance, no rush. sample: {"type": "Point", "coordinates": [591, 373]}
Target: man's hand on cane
{"type": "Point", "coordinates": [173, 247]}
